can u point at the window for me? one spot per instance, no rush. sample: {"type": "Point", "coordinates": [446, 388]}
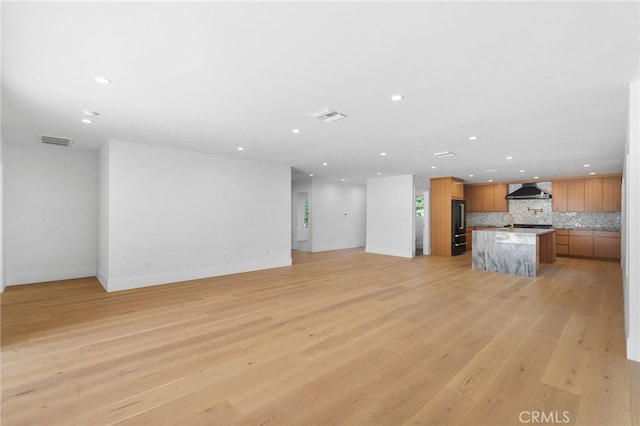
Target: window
{"type": "Point", "coordinates": [306, 214]}
{"type": "Point", "coordinates": [420, 206]}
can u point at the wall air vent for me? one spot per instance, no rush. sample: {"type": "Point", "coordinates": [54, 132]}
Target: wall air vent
{"type": "Point", "coordinates": [327, 115]}
{"type": "Point", "coordinates": [52, 140]}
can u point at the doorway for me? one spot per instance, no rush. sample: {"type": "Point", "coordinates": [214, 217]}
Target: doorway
{"type": "Point", "coordinates": [301, 222]}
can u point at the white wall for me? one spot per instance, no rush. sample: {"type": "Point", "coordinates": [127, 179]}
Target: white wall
{"type": "Point", "coordinates": [177, 215]}
{"type": "Point", "coordinates": [337, 215]}
{"type": "Point", "coordinates": [2, 280]}
{"type": "Point", "coordinates": [631, 226]}
{"type": "Point", "coordinates": [50, 213]}
{"type": "Point", "coordinates": [3, 283]}
{"type": "Point", "coordinates": [103, 216]}
{"type": "Point", "coordinates": [390, 216]}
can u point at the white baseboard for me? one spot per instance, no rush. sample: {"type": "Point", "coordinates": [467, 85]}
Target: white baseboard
{"type": "Point", "coordinates": [34, 277]}
{"type": "Point", "coordinates": [633, 349]}
{"type": "Point", "coordinates": [337, 246]}
{"type": "Point", "coordinates": [147, 280]}
{"type": "Point", "coordinates": [389, 251]}
{"type": "Point", "coordinates": [102, 279]}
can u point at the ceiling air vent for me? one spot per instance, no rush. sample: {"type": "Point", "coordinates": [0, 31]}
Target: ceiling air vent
{"type": "Point", "coordinates": [327, 115]}
{"type": "Point", "coordinates": [444, 154]}
{"type": "Point", "coordinates": [52, 140]}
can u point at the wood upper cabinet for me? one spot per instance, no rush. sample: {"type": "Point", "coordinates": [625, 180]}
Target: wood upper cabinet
{"type": "Point", "coordinates": [457, 189]}
{"type": "Point", "coordinates": [596, 194]}
{"type": "Point", "coordinates": [473, 198]}
{"type": "Point", "coordinates": [593, 195]}
{"type": "Point", "coordinates": [559, 195]}
{"type": "Point", "coordinates": [575, 195]}
{"type": "Point", "coordinates": [486, 198]}
{"type": "Point", "coordinates": [612, 194]}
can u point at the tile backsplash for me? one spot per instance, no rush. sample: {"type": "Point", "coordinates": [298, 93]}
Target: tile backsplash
{"type": "Point", "coordinates": [541, 212]}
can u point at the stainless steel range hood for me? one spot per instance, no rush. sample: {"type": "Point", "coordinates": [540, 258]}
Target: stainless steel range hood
{"type": "Point", "coordinates": [528, 191]}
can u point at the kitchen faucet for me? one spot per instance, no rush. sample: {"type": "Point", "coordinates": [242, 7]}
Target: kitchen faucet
{"type": "Point", "coordinates": [511, 216]}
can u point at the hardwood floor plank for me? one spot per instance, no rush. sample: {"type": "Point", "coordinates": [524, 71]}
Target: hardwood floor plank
{"type": "Point", "coordinates": [513, 388]}
{"type": "Point", "coordinates": [556, 405]}
{"type": "Point", "coordinates": [568, 364]}
{"type": "Point", "coordinates": [445, 408]}
{"type": "Point", "coordinates": [479, 374]}
{"type": "Point", "coordinates": [606, 395]}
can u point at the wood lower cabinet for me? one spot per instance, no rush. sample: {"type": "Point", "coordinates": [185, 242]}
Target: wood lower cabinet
{"type": "Point", "coordinates": [606, 244]}
{"type": "Point", "coordinates": [595, 244]}
{"type": "Point", "coordinates": [562, 241]}
{"type": "Point", "coordinates": [581, 243]}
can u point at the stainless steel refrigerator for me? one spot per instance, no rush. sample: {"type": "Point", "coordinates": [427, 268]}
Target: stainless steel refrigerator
{"type": "Point", "coordinates": [458, 228]}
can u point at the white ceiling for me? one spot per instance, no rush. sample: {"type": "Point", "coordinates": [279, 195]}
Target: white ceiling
{"type": "Point", "coordinates": [543, 82]}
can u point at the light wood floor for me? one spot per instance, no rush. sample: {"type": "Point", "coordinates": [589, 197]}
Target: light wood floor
{"type": "Point", "coordinates": [340, 338]}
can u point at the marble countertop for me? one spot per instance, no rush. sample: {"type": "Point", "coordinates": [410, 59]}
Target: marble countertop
{"type": "Point", "coordinates": [606, 229]}
{"type": "Point", "coordinates": [518, 230]}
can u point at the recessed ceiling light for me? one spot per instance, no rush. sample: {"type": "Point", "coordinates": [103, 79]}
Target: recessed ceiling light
{"type": "Point", "coordinates": [471, 175]}
{"type": "Point", "coordinates": [379, 173]}
{"type": "Point", "coordinates": [86, 121]}
{"type": "Point", "coordinates": [509, 158]}
{"type": "Point", "coordinates": [89, 113]}
{"type": "Point", "coordinates": [102, 80]}
{"type": "Point", "coordinates": [240, 148]}
{"type": "Point", "coordinates": [296, 131]}
{"type": "Point", "coordinates": [343, 179]}
{"type": "Point", "coordinates": [587, 165]}
{"type": "Point", "coordinates": [490, 180]}
{"type": "Point", "coordinates": [536, 177]}
{"type": "Point", "coordinates": [397, 98]}
{"type": "Point", "coordinates": [521, 171]}
{"type": "Point", "coordinates": [310, 174]}
{"type": "Point", "coordinates": [433, 167]}
{"type": "Point", "coordinates": [592, 173]}
{"type": "Point", "coordinates": [382, 154]}
{"type": "Point", "coordinates": [473, 138]}
{"type": "Point", "coordinates": [325, 164]}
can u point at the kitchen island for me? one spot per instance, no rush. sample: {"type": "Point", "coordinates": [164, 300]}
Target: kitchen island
{"type": "Point", "coordinates": [517, 251]}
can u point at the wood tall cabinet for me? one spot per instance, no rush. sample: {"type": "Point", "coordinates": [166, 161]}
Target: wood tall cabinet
{"type": "Point", "coordinates": [442, 191]}
{"type": "Point", "coordinates": [596, 194]}
{"type": "Point", "coordinates": [486, 197]}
